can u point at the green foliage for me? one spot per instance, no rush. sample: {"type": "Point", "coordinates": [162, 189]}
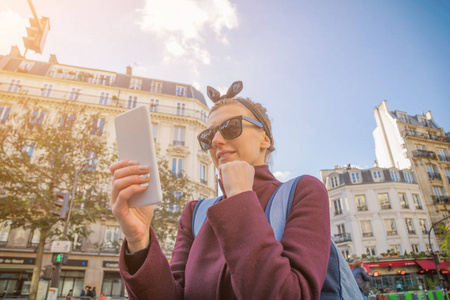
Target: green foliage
{"type": "Point", "coordinates": [177, 192]}
{"type": "Point", "coordinates": [59, 151]}
{"type": "Point", "coordinates": [431, 282]}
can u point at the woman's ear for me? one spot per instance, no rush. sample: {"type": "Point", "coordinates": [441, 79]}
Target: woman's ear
{"type": "Point", "coordinates": [265, 143]}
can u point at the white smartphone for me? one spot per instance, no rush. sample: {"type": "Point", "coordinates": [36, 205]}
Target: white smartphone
{"type": "Point", "coordinates": [135, 142]}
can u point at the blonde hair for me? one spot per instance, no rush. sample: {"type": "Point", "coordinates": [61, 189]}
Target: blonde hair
{"type": "Point", "coordinates": [261, 109]}
{"type": "Point", "coordinates": [357, 263]}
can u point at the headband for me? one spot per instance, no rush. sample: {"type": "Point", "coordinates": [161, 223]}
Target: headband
{"type": "Point", "coordinates": [235, 88]}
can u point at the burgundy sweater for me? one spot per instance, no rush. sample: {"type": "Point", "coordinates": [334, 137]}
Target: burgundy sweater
{"type": "Point", "coordinates": [235, 254]}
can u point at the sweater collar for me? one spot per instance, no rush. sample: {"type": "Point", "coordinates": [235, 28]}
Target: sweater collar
{"type": "Point", "coordinates": [262, 176]}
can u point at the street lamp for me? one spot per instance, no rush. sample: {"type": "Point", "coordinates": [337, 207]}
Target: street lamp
{"type": "Point", "coordinates": [435, 257]}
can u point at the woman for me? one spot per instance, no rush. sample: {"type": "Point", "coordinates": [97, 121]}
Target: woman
{"type": "Point", "coordinates": [361, 278]}
{"type": "Point", "coordinates": [235, 254]}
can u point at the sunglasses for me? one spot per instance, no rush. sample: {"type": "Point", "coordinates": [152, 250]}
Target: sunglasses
{"type": "Point", "coordinates": [229, 129]}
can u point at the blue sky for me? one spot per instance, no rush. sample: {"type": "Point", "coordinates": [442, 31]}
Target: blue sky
{"type": "Point", "coordinates": [320, 67]}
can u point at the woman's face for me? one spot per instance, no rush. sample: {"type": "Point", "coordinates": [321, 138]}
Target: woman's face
{"type": "Point", "coordinates": [250, 146]}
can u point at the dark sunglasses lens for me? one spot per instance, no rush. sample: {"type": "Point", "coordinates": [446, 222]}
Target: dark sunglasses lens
{"type": "Point", "coordinates": [206, 138]}
{"type": "Point", "coordinates": [231, 129]}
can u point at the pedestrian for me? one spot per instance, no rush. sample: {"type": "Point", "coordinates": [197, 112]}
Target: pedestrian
{"type": "Point", "coordinates": [85, 292]}
{"type": "Point", "coordinates": [69, 295]}
{"type": "Point", "coordinates": [235, 254]}
{"type": "Point", "coordinates": [102, 297]}
{"type": "Point", "coordinates": [93, 293]}
{"type": "Point", "coordinates": [361, 278]}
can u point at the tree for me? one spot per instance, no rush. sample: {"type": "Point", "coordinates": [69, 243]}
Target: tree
{"type": "Point", "coordinates": [40, 153]}
{"type": "Point", "coordinates": [177, 192]}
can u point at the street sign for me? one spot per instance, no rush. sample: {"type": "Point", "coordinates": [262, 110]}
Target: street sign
{"type": "Point", "coordinates": [61, 247]}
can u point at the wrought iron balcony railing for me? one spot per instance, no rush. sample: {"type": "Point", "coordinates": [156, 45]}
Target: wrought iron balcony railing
{"type": "Point", "coordinates": [342, 237]}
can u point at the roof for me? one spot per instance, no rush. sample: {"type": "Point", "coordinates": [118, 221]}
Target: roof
{"type": "Point", "coordinates": [11, 64]}
{"type": "Point", "coordinates": [414, 120]}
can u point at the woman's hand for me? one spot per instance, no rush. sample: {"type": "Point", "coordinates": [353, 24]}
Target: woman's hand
{"type": "Point", "coordinates": [130, 178]}
{"type": "Point", "coordinates": [237, 177]}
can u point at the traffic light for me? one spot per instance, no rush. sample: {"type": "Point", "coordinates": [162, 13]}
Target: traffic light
{"type": "Point", "coordinates": [36, 34]}
{"type": "Point", "coordinates": [47, 274]}
{"type": "Point", "coordinates": [59, 258]}
{"type": "Point", "coordinates": [62, 201]}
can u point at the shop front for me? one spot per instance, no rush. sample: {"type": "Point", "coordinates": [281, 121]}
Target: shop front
{"type": "Point", "coordinates": [15, 276]}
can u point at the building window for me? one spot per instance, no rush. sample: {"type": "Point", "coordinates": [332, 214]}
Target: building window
{"type": "Point", "coordinates": [67, 120]}
{"type": "Point", "coordinates": [203, 174]}
{"type": "Point", "coordinates": [155, 131]}
{"type": "Point", "coordinates": [391, 229]}
{"type": "Point", "coordinates": [415, 248]}
{"type": "Point", "coordinates": [377, 176]}
{"type": "Point", "coordinates": [181, 109]}
{"type": "Point", "coordinates": [423, 226]}
{"type": "Point", "coordinates": [5, 228]}
{"type": "Point", "coordinates": [180, 90]}
{"type": "Point", "coordinates": [403, 200]}
{"type": "Point", "coordinates": [371, 251]}
{"type": "Point", "coordinates": [394, 175]}
{"type": "Point", "coordinates": [346, 253]}
{"type": "Point", "coordinates": [361, 202]}
{"type": "Point", "coordinates": [337, 207]}
{"type": "Point", "coordinates": [113, 285]}
{"type": "Point", "coordinates": [103, 100]}
{"type": "Point", "coordinates": [91, 161]}
{"type": "Point", "coordinates": [37, 117]}
{"type": "Point", "coordinates": [447, 174]}
{"type": "Point", "coordinates": [408, 177]}
{"type": "Point", "coordinates": [74, 93]}
{"type": "Point", "coordinates": [46, 90]}
{"type": "Point", "coordinates": [154, 105]}
{"type": "Point", "coordinates": [14, 85]}
{"type": "Point", "coordinates": [132, 101]}
{"type": "Point", "coordinates": [355, 177]}
{"type": "Point", "coordinates": [334, 181]}
{"type": "Point", "coordinates": [156, 87]}
{"type": "Point", "coordinates": [178, 136]}
{"type": "Point", "coordinates": [340, 230]}
{"type": "Point", "coordinates": [433, 172]}
{"type": "Point", "coordinates": [177, 166]}
{"type": "Point", "coordinates": [396, 248]}
{"type": "Point", "coordinates": [410, 226]}
{"type": "Point", "coordinates": [98, 125]}
{"type": "Point", "coordinates": [4, 113]}
{"type": "Point", "coordinates": [111, 241]}
{"type": "Point", "coordinates": [135, 84]}
{"type": "Point", "coordinates": [402, 117]}
{"type": "Point", "coordinates": [443, 155]}
{"type": "Point", "coordinates": [27, 150]}
{"type": "Point", "coordinates": [417, 202]}
{"type": "Point", "coordinates": [384, 201]}
{"type": "Point", "coordinates": [366, 228]}
{"type": "Point", "coordinates": [203, 116]}
{"type": "Point", "coordinates": [33, 239]}
{"type": "Point", "coordinates": [70, 280]}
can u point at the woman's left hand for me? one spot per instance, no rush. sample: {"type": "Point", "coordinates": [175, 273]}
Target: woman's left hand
{"type": "Point", "coordinates": [237, 177]}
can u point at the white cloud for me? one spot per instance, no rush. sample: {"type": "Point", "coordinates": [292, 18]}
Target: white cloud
{"type": "Point", "coordinates": [183, 25]}
{"type": "Point", "coordinates": [12, 29]}
{"type": "Point", "coordinates": [282, 175]}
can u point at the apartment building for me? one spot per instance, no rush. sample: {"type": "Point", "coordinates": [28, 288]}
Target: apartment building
{"type": "Point", "coordinates": [419, 144]}
{"type": "Point", "coordinates": [179, 113]}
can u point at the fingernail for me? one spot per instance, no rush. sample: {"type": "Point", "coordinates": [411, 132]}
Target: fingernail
{"type": "Point", "coordinates": [143, 168]}
{"type": "Point", "coordinates": [145, 176]}
{"type": "Point", "coordinates": [144, 184]}
{"type": "Point", "coordinates": [132, 163]}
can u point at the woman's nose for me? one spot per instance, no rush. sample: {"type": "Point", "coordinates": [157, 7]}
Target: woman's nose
{"type": "Point", "coordinates": [218, 139]}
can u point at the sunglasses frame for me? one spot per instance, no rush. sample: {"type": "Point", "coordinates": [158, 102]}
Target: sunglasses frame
{"type": "Point", "coordinates": [217, 128]}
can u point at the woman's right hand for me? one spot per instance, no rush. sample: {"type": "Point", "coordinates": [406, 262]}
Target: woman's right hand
{"type": "Point", "coordinates": [130, 178]}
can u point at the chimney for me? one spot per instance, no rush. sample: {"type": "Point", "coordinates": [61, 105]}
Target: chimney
{"type": "Point", "coordinates": [129, 70]}
{"type": "Point", "coordinates": [53, 59]}
{"type": "Point", "coordinates": [375, 164]}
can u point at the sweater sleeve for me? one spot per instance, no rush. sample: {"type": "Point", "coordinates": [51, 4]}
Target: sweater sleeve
{"type": "Point", "coordinates": [155, 279]}
{"type": "Point", "coordinates": [260, 266]}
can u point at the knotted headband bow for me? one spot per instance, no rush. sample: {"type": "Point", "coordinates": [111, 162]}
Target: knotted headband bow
{"type": "Point", "coordinates": [235, 88]}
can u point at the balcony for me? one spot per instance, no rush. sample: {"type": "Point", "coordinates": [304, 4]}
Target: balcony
{"type": "Point", "coordinates": [440, 199]}
{"type": "Point", "coordinates": [367, 234]}
{"type": "Point", "coordinates": [342, 238]}
{"type": "Point", "coordinates": [391, 233]}
{"type": "Point", "coordinates": [178, 143]}
{"type": "Point", "coordinates": [425, 153]}
{"type": "Point", "coordinates": [362, 208]}
{"type": "Point", "coordinates": [444, 158]}
{"type": "Point", "coordinates": [428, 136]}
{"type": "Point", "coordinates": [434, 176]}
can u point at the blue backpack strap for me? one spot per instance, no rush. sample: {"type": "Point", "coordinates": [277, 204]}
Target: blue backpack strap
{"type": "Point", "coordinates": [279, 206]}
{"type": "Point", "coordinates": [199, 214]}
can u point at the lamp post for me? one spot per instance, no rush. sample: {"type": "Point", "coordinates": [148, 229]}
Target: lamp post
{"type": "Point", "coordinates": [435, 257]}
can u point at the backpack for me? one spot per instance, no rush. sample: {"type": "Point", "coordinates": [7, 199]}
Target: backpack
{"type": "Point", "coordinates": [339, 282]}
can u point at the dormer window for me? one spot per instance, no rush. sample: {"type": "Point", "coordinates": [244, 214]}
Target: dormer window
{"type": "Point", "coordinates": [422, 120]}
{"type": "Point", "coordinates": [408, 176]}
{"type": "Point", "coordinates": [355, 177]}
{"type": "Point", "coordinates": [334, 181]}
{"type": "Point", "coordinates": [402, 117]}
{"type": "Point", "coordinates": [135, 83]}
{"type": "Point", "coordinates": [394, 175]}
{"type": "Point", "coordinates": [377, 175]}
{"type": "Point", "coordinates": [181, 90]}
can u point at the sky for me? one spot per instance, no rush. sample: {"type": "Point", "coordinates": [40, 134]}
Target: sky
{"type": "Point", "coordinates": [319, 67]}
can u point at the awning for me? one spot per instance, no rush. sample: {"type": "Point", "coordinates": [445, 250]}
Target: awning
{"type": "Point", "coordinates": [428, 264]}
{"type": "Point", "coordinates": [392, 263]}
